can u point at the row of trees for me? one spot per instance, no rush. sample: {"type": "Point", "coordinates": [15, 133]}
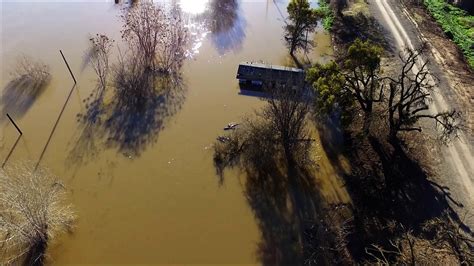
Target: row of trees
{"type": "Point", "coordinates": [358, 82]}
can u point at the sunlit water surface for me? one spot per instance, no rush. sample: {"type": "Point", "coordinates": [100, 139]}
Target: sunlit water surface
{"type": "Point", "coordinates": [162, 203]}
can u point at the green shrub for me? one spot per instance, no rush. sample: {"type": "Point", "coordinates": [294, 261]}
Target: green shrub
{"type": "Point", "coordinates": [457, 24]}
{"type": "Point", "coordinates": [326, 13]}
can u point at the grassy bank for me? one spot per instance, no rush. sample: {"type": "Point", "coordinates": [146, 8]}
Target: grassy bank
{"type": "Point", "coordinates": [328, 16]}
{"type": "Point", "coordinates": [457, 24]}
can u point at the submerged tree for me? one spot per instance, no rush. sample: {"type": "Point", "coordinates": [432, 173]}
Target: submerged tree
{"type": "Point", "coordinates": [145, 84]}
{"type": "Point", "coordinates": [279, 130]}
{"type": "Point", "coordinates": [34, 70]}
{"type": "Point", "coordinates": [273, 149]}
{"type": "Point", "coordinates": [175, 39]}
{"type": "Point", "coordinates": [144, 29]}
{"type": "Point", "coordinates": [157, 35]}
{"type": "Point", "coordinates": [32, 213]}
{"type": "Point", "coordinates": [99, 57]}
{"type": "Point", "coordinates": [302, 20]}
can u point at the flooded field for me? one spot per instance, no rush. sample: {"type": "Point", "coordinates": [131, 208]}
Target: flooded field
{"type": "Point", "coordinates": [158, 200]}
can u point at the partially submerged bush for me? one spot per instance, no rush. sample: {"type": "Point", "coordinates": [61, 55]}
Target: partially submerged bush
{"type": "Point", "coordinates": [32, 212]}
{"type": "Point", "coordinates": [99, 57]}
{"type": "Point", "coordinates": [32, 70]}
{"type": "Point", "coordinates": [29, 79]}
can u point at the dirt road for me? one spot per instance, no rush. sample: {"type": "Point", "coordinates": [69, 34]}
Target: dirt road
{"type": "Point", "coordinates": [458, 158]}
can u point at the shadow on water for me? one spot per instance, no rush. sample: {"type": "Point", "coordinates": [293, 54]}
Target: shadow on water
{"type": "Point", "coordinates": [125, 122]}
{"type": "Point", "coordinates": [133, 125]}
{"type": "Point", "coordinates": [289, 210]}
{"type": "Point", "coordinates": [127, 112]}
{"type": "Point", "coordinates": [286, 209]}
{"type": "Point", "coordinates": [227, 25]}
{"type": "Point", "coordinates": [30, 80]}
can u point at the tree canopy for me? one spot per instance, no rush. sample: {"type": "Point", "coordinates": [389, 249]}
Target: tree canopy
{"type": "Point", "coordinates": [302, 19]}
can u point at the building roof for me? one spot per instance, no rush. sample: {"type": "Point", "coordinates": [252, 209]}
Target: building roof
{"type": "Point", "coordinates": [268, 66]}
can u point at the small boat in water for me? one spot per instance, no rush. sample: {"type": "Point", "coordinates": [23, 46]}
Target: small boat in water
{"type": "Point", "coordinates": [231, 126]}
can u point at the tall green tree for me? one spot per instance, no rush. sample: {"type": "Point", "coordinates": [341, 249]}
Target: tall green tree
{"type": "Point", "coordinates": [356, 80]}
{"type": "Point", "coordinates": [329, 85]}
{"type": "Point", "coordinates": [362, 74]}
{"type": "Point", "coordinates": [302, 19]}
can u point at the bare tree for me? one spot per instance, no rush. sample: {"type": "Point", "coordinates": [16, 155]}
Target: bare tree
{"type": "Point", "coordinates": [132, 83]}
{"type": "Point", "coordinates": [279, 131]}
{"type": "Point", "coordinates": [32, 212]}
{"type": "Point", "coordinates": [175, 40]}
{"type": "Point", "coordinates": [144, 29]}
{"type": "Point", "coordinates": [34, 70]}
{"type": "Point", "coordinates": [287, 110]}
{"type": "Point", "coordinates": [99, 55]}
{"type": "Point", "coordinates": [446, 244]}
{"type": "Point", "coordinates": [410, 96]}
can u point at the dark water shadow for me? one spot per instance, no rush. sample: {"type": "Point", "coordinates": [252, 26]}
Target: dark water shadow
{"type": "Point", "coordinates": [88, 138]}
{"type": "Point", "coordinates": [127, 112]}
{"type": "Point", "coordinates": [133, 125]}
{"type": "Point", "coordinates": [331, 134]}
{"type": "Point", "coordinates": [253, 93]}
{"type": "Point", "coordinates": [19, 95]}
{"type": "Point", "coordinates": [290, 214]}
{"type": "Point", "coordinates": [227, 25]}
{"type": "Point", "coordinates": [125, 122]}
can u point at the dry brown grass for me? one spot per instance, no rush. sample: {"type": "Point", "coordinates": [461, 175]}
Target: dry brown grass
{"type": "Point", "coordinates": [32, 212]}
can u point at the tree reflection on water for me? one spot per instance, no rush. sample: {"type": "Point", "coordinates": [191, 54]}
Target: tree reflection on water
{"type": "Point", "coordinates": [227, 25]}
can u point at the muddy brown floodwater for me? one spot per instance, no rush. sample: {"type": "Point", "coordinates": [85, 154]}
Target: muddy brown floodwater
{"type": "Point", "coordinates": [161, 203]}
